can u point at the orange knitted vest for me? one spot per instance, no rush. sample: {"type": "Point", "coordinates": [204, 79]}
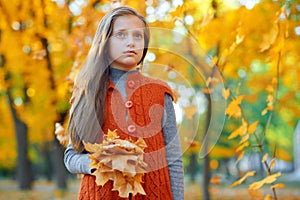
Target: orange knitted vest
{"type": "Point", "coordinates": [140, 115]}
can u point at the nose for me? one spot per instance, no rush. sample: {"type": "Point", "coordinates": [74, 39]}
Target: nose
{"type": "Point", "coordinates": [130, 41]}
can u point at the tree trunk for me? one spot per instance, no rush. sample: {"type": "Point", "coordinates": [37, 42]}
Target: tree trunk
{"type": "Point", "coordinates": [206, 168]}
{"type": "Point", "coordinates": [59, 166]}
{"type": "Point", "coordinates": [192, 168]}
{"type": "Point", "coordinates": [58, 153]}
{"type": "Point", "coordinates": [46, 152]}
{"type": "Point", "coordinates": [23, 168]}
{"type": "Point", "coordinates": [206, 178]}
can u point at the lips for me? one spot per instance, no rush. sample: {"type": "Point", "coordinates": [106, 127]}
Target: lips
{"type": "Point", "coordinates": [130, 52]}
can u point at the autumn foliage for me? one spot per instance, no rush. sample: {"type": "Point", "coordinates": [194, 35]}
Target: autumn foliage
{"type": "Point", "coordinates": [120, 161]}
{"type": "Point", "coordinates": [43, 44]}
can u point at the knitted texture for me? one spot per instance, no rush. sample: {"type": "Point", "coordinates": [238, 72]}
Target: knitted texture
{"type": "Point", "coordinates": [139, 116]}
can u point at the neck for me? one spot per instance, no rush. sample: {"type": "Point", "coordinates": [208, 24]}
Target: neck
{"type": "Point", "coordinates": [116, 73]}
{"type": "Point", "coordinates": [124, 69]}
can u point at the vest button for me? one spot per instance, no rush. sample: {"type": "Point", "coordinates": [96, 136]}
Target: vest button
{"type": "Point", "coordinates": [131, 128]}
{"type": "Point", "coordinates": [128, 104]}
{"type": "Point", "coordinates": [131, 84]}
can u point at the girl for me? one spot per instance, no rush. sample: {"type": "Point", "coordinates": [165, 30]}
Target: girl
{"type": "Point", "coordinates": [111, 93]}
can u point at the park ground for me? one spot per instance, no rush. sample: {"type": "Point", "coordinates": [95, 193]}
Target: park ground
{"type": "Point", "coordinates": [43, 190]}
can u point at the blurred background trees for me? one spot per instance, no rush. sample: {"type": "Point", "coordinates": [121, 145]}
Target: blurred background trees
{"type": "Point", "coordinates": [253, 44]}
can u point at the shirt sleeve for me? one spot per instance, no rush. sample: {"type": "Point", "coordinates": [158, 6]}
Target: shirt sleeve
{"type": "Point", "coordinates": [76, 163]}
{"type": "Point", "coordinates": [173, 149]}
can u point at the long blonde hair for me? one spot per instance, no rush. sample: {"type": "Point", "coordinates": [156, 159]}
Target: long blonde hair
{"type": "Point", "coordinates": [87, 112]}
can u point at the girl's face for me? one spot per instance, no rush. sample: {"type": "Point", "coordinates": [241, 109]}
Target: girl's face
{"type": "Point", "coordinates": [126, 44]}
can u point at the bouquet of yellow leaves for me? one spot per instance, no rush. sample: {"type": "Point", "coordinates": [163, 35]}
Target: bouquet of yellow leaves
{"type": "Point", "coordinates": [120, 161]}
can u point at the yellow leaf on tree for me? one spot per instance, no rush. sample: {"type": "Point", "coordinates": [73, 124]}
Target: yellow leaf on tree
{"type": "Point", "coordinates": [241, 155]}
{"type": "Point", "coordinates": [270, 101]}
{"type": "Point", "coordinates": [252, 127]}
{"type": "Point", "coordinates": [264, 159]}
{"type": "Point", "coordinates": [242, 146]}
{"type": "Point", "coordinates": [244, 139]}
{"type": "Point", "coordinates": [226, 93]}
{"type": "Point", "coordinates": [239, 38]}
{"type": "Point", "coordinates": [269, 39]}
{"type": "Point", "coordinates": [283, 154]}
{"type": "Point", "coordinates": [233, 109]}
{"type": "Point", "coordinates": [272, 164]}
{"type": "Point", "coordinates": [278, 185]}
{"type": "Point", "coordinates": [269, 179]}
{"type": "Point", "coordinates": [214, 61]}
{"type": "Point", "coordinates": [240, 131]}
{"type": "Point", "coordinates": [256, 185]}
{"type": "Point", "coordinates": [264, 111]}
{"type": "Point", "coordinates": [237, 90]}
{"type": "Point", "coordinates": [241, 180]}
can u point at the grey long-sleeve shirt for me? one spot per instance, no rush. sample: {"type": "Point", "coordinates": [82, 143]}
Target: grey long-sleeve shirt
{"type": "Point", "coordinates": [79, 163]}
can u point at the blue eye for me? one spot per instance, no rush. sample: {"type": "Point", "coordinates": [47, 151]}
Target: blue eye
{"type": "Point", "coordinates": [138, 36]}
{"type": "Point", "coordinates": [120, 35]}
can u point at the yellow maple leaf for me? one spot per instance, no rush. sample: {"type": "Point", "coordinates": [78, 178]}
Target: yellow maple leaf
{"type": "Point", "coordinates": [112, 134]}
{"type": "Point", "coordinates": [92, 147]}
{"type": "Point", "coordinates": [124, 164]}
{"type": "Point", "coordinates": [121, 185]}
{"type": "Point", "coordinates": [103, 177]}
{"type": "Point", "coordinates": [241, 180]}
{"type": "Point", "coordinates": [141, 143]}
{"type": "Point", "coordinates": [120, 161]}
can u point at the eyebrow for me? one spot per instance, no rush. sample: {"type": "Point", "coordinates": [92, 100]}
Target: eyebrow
{"type": "Point", "coordinates": [134, 29]}
{"type": "Point", "coordinates": [120, 30]}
